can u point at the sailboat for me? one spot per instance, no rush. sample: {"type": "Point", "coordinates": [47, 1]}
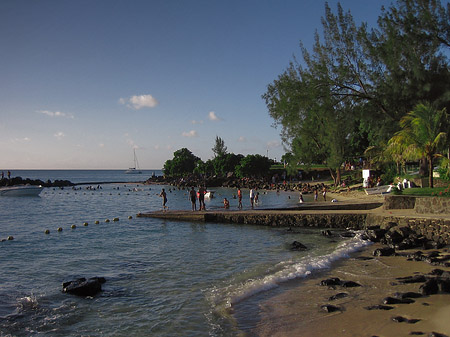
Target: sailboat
{"type": "Point", "coordinates": [135, 169]}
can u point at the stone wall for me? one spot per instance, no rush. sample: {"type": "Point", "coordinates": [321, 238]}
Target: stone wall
{"type": "Point", "coordinates": [354, 221]}
{"type": "Point", "coordinates": [433, 205]}
{"type": "Point", "coordinates": [399, 202]}
{"type": "Point", "coordinates": [437, 230]}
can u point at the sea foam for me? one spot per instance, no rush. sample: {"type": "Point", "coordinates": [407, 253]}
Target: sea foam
{"type": "Point", "coordinates": [285, 271]}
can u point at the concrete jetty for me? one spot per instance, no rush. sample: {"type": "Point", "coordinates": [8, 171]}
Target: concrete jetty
{"type": "Point", "coordinates": [350, 214]}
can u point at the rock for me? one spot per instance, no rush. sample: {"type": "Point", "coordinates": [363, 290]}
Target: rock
{"type": "Point", "coordinates": [298, 246]}
{"type": "Point", "coordinates": [347, 235]}
{"type": "Point", "coordinates": [379, 307]}
{"type": "Point", "coordinates": [444, 285]}
{"type": "Point", "coordinates": [412, 279]}
{"type": "Point", "coordinates": [350, 284]}
{"type": "Point", "coordinates": [326, 233]}
{"type": "Point", "coordinates": [337, 296]}
{"type": "Point", "coordinates": [398, 319]}
{"type": "Point", "coordinates": [437, 334]}
{"type": "Point", "coordinates": [83, 287]}
{"type": "Point", "coordinates": [417, 333]}
{"type": "Point", "coordinates": [408, 294]}
{"type": "Point", "coordinates": [334, 281]}
{"type": "Point", "coordinates": [430, 287]}
{"type": "Point", "coordinates": [384, 252]}
{"type": "Point", "coordinates": [376, 234]}
{"type": "Point", "coordinates": [393, 300]}
{"type": "Point", "coordinates": [330, 308]}
{"type": "Point", "coordinates": [393, 237]}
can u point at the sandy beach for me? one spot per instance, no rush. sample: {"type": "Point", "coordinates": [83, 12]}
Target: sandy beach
{"type": "Point", "coordinates": [298, 310]}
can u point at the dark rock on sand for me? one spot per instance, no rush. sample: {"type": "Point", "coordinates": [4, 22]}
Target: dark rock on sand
{"type": "Point", "coordinates": [437, 334]}
{"type": "Point", "coordinates": [379, 307]}
{"type": "Point", "coordinates": [393, 300]}
{"type": "Point", "coordinates": [334, 281]}
{"type": "Point", "coordinates": [375, 235]}
{"type": "Point", "coordinates": [350, 284]}
{"type": "Point", "coordinates": [298, 246]}
{"type": "Point", "coordinates": [337, 296]}
{"type": "Point", "coordinates": [444, 285]}
{"type": "Point", "coordinates": [83, 287]}
{"type": "Point", "coordinates": [387, 251]}
{"type": "Point", "coordinates": [412, 279]}
{"type": "Point", "coordinates": [330, 308]}
{"type": "Point", "coordinates": [417, 333]}
{"type": "Point", "coordinates": [430, 287]}
{"type": "Point", "coordinates": [400, 319]}
{"type": "Point", "coordinates": [408, 294]}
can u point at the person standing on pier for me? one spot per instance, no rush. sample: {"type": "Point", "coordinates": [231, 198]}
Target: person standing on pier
{"type": "Point", "coordinates": [201, 198]}
{"type": "Point", "coordinates": [193, 198]}
{"type": "Point", "coordinates": [252, 197]}
{"type": "Point", "coordinates": [239, 193]}
{"type": "Point", "coordinates": [164, 196]}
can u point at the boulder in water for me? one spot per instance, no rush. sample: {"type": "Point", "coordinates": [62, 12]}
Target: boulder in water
{"type": "Point", "coordinates": [83, 287]}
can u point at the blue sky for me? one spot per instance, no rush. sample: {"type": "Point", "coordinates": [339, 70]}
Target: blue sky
{"type": "Point", "coordinates": [83, 83]}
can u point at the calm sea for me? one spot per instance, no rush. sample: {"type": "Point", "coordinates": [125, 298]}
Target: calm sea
{"type": "Point", "coordinates": [164, 278]}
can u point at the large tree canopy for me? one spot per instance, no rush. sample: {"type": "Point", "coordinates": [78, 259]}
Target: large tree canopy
{"type": "Point", "coordinates": [356, 84]}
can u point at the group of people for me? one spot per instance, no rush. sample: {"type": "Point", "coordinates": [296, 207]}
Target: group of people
{"type": "Point", "coordinates": [254, 198]}
{"type": "Point", "coordinates": [8, 174]}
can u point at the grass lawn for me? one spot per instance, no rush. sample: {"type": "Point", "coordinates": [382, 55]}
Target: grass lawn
{"type": "Point", "coordinates": [427, 191]}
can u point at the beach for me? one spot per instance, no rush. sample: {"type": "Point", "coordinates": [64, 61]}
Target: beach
{"type": "Point", "coordinates": [298, 311]}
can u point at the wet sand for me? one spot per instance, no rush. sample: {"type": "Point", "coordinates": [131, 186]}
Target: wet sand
{"type": "Point", "coordinates": [297, 311]}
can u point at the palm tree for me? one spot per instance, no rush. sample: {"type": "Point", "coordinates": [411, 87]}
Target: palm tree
{"type": "Point", "coordinates": [423, 133]}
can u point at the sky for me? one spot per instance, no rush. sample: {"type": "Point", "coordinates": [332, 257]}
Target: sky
{"type": "Point", "coordinates": [84, 83]}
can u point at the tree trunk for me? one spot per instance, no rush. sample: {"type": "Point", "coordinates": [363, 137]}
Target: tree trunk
{"type": "Point", "coordinates": [430, 171]}
{"type": "Point", "coordinates": [332, 175]}
{"type": "Point", "coordinates": [338, 177]}
{"type": "Point", "coordinates": [423, 166]}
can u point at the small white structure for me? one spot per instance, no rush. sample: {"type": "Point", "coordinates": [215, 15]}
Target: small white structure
{"type": "Point", "coordinates": [365, 175]}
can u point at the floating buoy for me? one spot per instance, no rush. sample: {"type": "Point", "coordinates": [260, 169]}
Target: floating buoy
{"type": "Point", "coordinates": [73, 226]}
{"type": "Point", "coordinates": [85, 224]}
{"type": "Point", "coordinates": [107, 220]}
{"type": "Point", "coordinates": [97, 222]}
{"type": "Point", "coordinates": [47, 231]}
{"type": "Point", "coordinates": [116, 219]}
{"type": "Point", "coordinates": [130, 217]}
{"type": "Point", "coordinates": [10, 237]}
{"type": "Point", "coordinates": [59, 229]}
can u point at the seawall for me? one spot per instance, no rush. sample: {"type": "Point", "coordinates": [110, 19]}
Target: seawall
{"type": "Point", "coordinates": [434, 223]}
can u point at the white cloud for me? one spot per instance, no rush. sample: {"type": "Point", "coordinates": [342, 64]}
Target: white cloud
{"type": "Point", "coordinates": [21, 140]}
{"type": "Point", "coordinates": [190, 134]}
{"type": "Point", "coordinates": [242, 139]}
{"type": "Point", "coordinates": [139, 101]}
{"type": "Point", "coordinates": [131, 143]}
{"type": "Point", "coordinates": [196, 122]}
{"type": "Point", "coordinates": [55, 114]}
{"type": "Point", "coordinates": [213, 117]}
{"type": "Point", "coordinates": [273, 144]}
{"type": "Point", "coordinates": [59, 135]}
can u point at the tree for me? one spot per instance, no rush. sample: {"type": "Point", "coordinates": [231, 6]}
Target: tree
{"type": "Point", "coordinates": [219, 148]}
{"type": "Point", "coordinates": [423, 133]}
{"type": "Point", "coordinates": [183, 163]}
{"type": "Point", "coordinates": [226, 163]}
{"type": "Point", "coordinates": [255, 166]}
{"type": "Point", "coordinates": [316, 105]}
{"type": "Point", "coordinates": [408, 59]}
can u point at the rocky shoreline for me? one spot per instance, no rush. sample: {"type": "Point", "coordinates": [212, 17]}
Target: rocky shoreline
{"type": "Point", "coordinates": [36, 182]}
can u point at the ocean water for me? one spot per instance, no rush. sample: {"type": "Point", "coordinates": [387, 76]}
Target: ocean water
{"type": "Point", "coordinates": [163, 278]}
